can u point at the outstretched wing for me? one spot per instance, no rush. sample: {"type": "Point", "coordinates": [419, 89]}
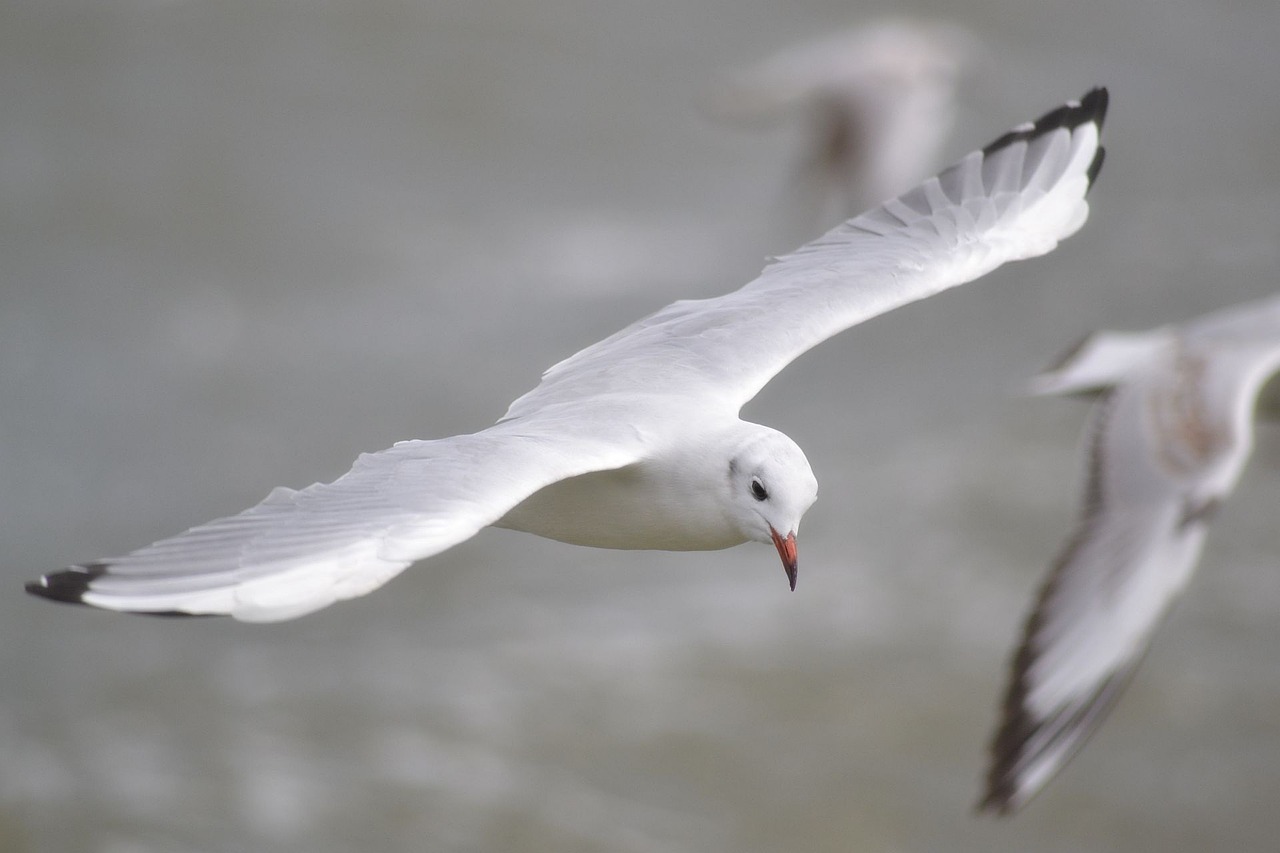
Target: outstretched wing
{"type": "Point", "coordinates": [1094, 616]}
{"type": "Point", "coordinates": [1167, 445]}
{"type": "Point", "coordinates": [1168, 442]}
{"type": "Point", "coordinates": [1016, 198]}
{"type": "Point", "coordinates": [299, 551]}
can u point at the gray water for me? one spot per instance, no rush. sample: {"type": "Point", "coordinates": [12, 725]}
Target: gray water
{"type": "Point", "coordinates": [245, 241]}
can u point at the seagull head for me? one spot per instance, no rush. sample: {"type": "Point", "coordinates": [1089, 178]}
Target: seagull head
{"type": "Point", "coordinates": [771, 487]}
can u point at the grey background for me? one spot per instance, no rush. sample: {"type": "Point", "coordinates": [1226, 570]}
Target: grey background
{"type": "Point", "coordinates": [245, 241]}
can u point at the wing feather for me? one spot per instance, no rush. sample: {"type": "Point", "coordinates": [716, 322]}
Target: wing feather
{"type": "Point", "coordinates": [299, 551]}
{"type": "Point", "coordinates": [1168, 441]}
{"type": "Point", "coordinates": [1095, 614]}
{"type": "Point", "coordinates": [1017, 198]}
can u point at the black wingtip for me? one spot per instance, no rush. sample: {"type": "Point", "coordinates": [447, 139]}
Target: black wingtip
{"type": "Point", "coordinates": [1001, 787]}
{"type": "Point", "coordinates": [1017, 726]}
{"type": "Point", "coordinates": [1023, 738]}
{"type": "Point", "coordinates": [1091, 109]}
{"type": "Point", "coordinates": [1095, 103]}
{"type": "Point", "coordinates": [997, 802]}
{"type": "Point", "coordinates": [1096, 166]}
{"type": "Point", "coordinates": [67, 586]}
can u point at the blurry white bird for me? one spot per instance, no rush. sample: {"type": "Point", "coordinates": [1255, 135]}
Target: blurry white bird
{"type": "Point", "coordinates": [1169, 438]}
{"type": "Point", "coordinates": [634, 442]}
{"type": "Point", "coordinates": [879, 102]}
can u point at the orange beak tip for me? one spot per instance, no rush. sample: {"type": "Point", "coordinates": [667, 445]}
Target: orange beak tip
{"type": "Point", "coordinates": [787, 551]}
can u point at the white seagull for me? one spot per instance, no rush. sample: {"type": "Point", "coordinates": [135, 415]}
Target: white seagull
{"type": "Point", "coordinates": [1168, 440]}
{"type": "Point", "coordinates": [879, 102]}
{"type": "Point", "coordinates": [634, 442]}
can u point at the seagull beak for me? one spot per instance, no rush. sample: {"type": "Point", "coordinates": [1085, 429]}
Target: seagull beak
{"type": "Point", "coordinates": [787, 551]}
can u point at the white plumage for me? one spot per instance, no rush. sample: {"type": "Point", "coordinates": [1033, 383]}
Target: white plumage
{"type": "Point", "coordinates": [1168, 440]}
{"type": "Point", "coordinates": [634, 442]}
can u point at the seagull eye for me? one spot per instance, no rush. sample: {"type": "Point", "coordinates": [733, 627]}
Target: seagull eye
{"type": "Point", "coordinates": [758, 490]}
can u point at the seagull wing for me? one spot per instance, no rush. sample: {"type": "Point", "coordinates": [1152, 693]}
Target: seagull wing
{"type": "Point", "coordinates": [1165, 448]}
{"type": "Point", "coordinates": [1093, 619]}
{"type": "Point", "coordinates": [299, 551]}
{"type": "Point", "coordinates": [1016, 198]}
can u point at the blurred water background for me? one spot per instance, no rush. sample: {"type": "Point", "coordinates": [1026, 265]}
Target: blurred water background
{"type": "Point", "coordinates": [245, 241]}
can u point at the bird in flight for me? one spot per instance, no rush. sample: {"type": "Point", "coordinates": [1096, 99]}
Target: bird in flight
{"type": "Point", "coordinates": [877, 102]}
{"type": "Point", "coordinates": [634, 442]}
{"type": "Point", "coordinates": [1170, 434]}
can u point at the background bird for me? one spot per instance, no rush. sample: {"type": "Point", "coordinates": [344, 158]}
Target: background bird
{"type": "Point", "coordinates": [1171, 432]}
{"type": "Point", "coordinates": [877, 103]}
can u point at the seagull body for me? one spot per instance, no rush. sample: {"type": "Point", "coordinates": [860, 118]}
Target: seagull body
{"type": "Point", "coordinates": [879, 102]}
{"type": "Point", "coordinates": [634, 442]}
{"type": "Point", "coordinates": [664, 498]}
{"type": "Point", "coordinates": [1169, 438]}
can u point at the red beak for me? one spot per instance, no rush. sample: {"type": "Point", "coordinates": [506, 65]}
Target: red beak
{"type": "Point", "coordinates": [787, 551]}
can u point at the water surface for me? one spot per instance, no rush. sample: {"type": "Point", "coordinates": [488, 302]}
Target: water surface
{"type": "Point", "coordinates": [245, 241]}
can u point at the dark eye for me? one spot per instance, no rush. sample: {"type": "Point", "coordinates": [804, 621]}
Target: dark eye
{"type": "Point", "coordinates": [758, 490]}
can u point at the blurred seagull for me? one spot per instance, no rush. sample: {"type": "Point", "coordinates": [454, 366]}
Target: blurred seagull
{"type": "Point", "coordinates": [1169, 437]}
{"type": "Point", "coordinates": [634, 442]}
{"type": "Point", "coordinates": [879, 102]}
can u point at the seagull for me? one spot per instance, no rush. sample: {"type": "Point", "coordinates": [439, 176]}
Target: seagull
{"type": "Point", "coordinates": [879, 101]}
{"type": "Point", "coordinates": [1169, 437]}
{"type": "Point", "coordinates": [634, 442]}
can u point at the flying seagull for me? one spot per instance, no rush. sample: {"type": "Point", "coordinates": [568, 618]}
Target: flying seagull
{"type": "Point", "coordinates": [878, 101]}
{"type": "Point", "coordinates": [634, 442]}
{"type": "Point", "coordinates": [1169, 437]}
